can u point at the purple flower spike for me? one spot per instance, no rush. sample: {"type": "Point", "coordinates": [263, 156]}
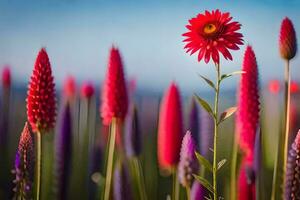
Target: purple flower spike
{"type": "Point", "coordinates": [206, 134]}
{"type": "Point", "coordinates": [292, 184]}
{"type": "Point", "coordinates": [193, 121]}
{"type": "Point", "coordinates": [24, 166]}
{"type": "Point", "coordinates": [63, 152]}
{"type": "Point", "coordinates": [188, 164]}
{"type": "Point", "coordinates": [132, 133]}
{"type": "Point", "coordinates": [198, 192]}
{"type": "Point", "coordinates": [122, 189]}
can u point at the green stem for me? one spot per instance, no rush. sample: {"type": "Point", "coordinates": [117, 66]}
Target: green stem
{"type": "Point", "coordinates": [216, 108]}
{"type": "Point", "coordinates": [175, 195]}
{"type": "Point", "coordinates": [282, 151]}
{"type": "Point", "coordinates": [140, 178]}
{"type": "Point", "coordinates": [38, 165]}
{"type": "Point", "coordinates": [109, 167]}
{"type": "Point", "coordinates": [234, 166]}
{"type": "Point", "coordinates": [188, 193]}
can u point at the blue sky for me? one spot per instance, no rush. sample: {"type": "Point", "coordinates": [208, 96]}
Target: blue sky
{"type": "Point", "coordinates": [78, 33]}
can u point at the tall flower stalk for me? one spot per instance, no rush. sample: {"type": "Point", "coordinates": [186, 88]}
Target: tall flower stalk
{"type": "Point", "coordinates": [287, 50]}
{"type": "Point", "coordinates": [41, 108]}
{"type": "Point", "coordinates": [210, 34]}
{"type": "Point", "coordinates": [113, 108]}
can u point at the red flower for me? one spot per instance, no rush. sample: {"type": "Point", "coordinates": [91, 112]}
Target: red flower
{"type": "Point", "coordinates": [246, 183]}
{"type": "Point", "coordinates": [170, 128]}
{"type": "Point", "coordinates": [87, 90]}
{"type": "Point", "coordinates": [287, 40]}
{"type": "Point", "coordinates": [294, 88]}
{"type": "Point", "coordinates": [211, 33]}
{"type": "Point", "coordinates": [114, 94]}
{"type": "Point", "coordinates": [274, 86]}
{"type": "Point", "coordinates": [41, 102]}
{"type": "Point", "coordinates": [6, 77]}
{"type": "Point", "coordinates": [69, 87]}
{"type": "Point", "coordinates": [248, 105]}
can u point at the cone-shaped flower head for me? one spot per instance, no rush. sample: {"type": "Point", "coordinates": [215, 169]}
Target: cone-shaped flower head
{"type": "Point", "coordinates": [122, 190]}
{"type": "Point", "coordinates": [274, 86]}
{"type": "Point", "coordinates": [206, 134]}
{"type": "Point", "coordinates": [292, 184]}
{"type": "Point", "coordinates": [63, 152]}
{"type": "Point", "coordinates": [287, 40]}
{"type": "Point", "coordinates": [188, 164]}
{"type": "Point", "coordinates": [6, 77]}
{"type": "Point", "coordinates": [193, 121]}
{"type": "Point", "coordinates": [169, 128]}
{"type": "Point", "coordinates": [132, 133]}
{"type": "Point", "coordinates": [246, 183]}
{"type": "Point", "coordinates": [41, 102]}
{"type": "Point", "coordinates": [114, 93]}
{"type": "Point", "coordinates": [24, 166]}
{"type": "Point", "coordinates": [87, 90]}
{"type": "Point", "coordinates": [248, 105]}
{"type": "Point", "coordinates": [69, 88]}
{"type": "Point", "coordinates": [198, 192]}
{"type": "Point", "coordinates": [212, 33]}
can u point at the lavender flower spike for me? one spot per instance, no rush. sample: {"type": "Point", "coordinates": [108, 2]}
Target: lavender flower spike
{"type": "Point", "coordinates": [122, 190]}
{"type": "Point", "coordinates": [193, 121]}
{"type": "Point", "coordinates": [132, 133]}
{"type": "Point", "coordinates": [188, 164]}
{"type": "Point", "coordinates": [63, 152]}
{"type": "Point", "coordinates": [24, 166]}
{"type": "Point", "coordinates": [292, 184]}
{"type": "Point", "coordinates": [198, 192]}
{"type": "Point", "coordinates": [206, 134]}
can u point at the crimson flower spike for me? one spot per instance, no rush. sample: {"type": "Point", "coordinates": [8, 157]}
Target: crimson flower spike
{"type": "Point", "coordinates": [248, 105]}
{"type": "Point", "coordinates": [63, 152]}
{"type": "Point", "coordinates": [287, 40]}
{"type": "Point", "coordinates": [87, 90]}
{"type": "Point", "coordinates": [114, 93]}
{"type": "Point", "coordinates": [41, 102]}
{"type": "Point", "coordinates": [170, 128]}
{"type": "Point", "coordinates": [292, 176]}
{"type": "Point", "coordinates": [246, 182]}
{"type": "Point", "coordinates": [6, 77]}
{"type": "Point", "coordinates": [69, 88]}
{"type": "Point", "coordinates": [24, 166]}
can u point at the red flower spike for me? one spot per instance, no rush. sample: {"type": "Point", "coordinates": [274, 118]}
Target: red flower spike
{"type": "Point", "coordinates": [248, 105]}
{"type": "Point", "coordinates": [274, 86]}
{"type": "Point", "coordinates": [287, 40]}
{"type": "Point", "coordinates": [41, 102]}
{"type": "Point", "coordinates": [87, 90]}
{"type": "Point", "coordinates": [69, 87]}
{"type": "Point", "coordinates": [212, 33]}
{"type": "Point", "coordinates": [114, 94]}
{"type": "Point", "coordinates": [170, 129]}
{"type": "Point", "coordinates": [294, 88]}
{"type": "Point", "coordinates": [246, 183]}
{"type": "Point", "coordinates": [6, 77]}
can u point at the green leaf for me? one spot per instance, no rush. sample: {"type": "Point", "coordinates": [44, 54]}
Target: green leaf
{"type": "Point", "coordinates": [224, 76]}
{"type": "Point", "coordinates": [209, 82]}
{"type": "Point", "coordinates": [221, 163]}
{"type": "Point", "coordinates": [203, 161]}
{"type": "Point", "coordinates": [205, 183]}
{"type": "Point", "coordinates": [205, 105]}
{"type": "Point", "coordinates": [227, 113]}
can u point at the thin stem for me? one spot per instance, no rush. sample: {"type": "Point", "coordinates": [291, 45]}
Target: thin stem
{"type": "Point", "coordinates": [110, 159]}
{"type": "Point", "coordinates": [140, 178]}
{"type": "Point", "coordinates": [216, 108]}
{"type": "Point", "coordinates": [282, 151]}
{"type": "Point", "coordinates": [175, 195]}
{"type": "Point", "coordinates": [188, 193]}
{"type": "Point", "coordinates": [38, 165]}
{"type": "Point", "coordinates": [234, 166]}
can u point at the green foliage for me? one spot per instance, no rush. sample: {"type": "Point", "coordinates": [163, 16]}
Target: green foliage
{"type": "Point", "coordinates": [221, 163]}
{"type": "Point", "coordinates": [224, 76]}
{"type": "Point", "coordinates": [203, 161]}
{"type": "Point", "coordinates": [205, 105]}
{"type": "Point", "coordinates": [209, 82]}
{"type": "Point", "coordinates": [205, 183]}
{"type": "Point", "coordinates": [227, 113]}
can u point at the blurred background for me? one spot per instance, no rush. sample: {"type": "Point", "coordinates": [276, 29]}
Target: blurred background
{"type": "Point", "coordinates": [77, 35]}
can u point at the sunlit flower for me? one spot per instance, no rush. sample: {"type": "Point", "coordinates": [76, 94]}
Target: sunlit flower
{"type": "Point", "coordinates": [212, 33]}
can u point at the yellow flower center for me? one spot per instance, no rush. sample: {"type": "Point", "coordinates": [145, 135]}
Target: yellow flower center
{"type": "Point", "coordinates": [209, 28]}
